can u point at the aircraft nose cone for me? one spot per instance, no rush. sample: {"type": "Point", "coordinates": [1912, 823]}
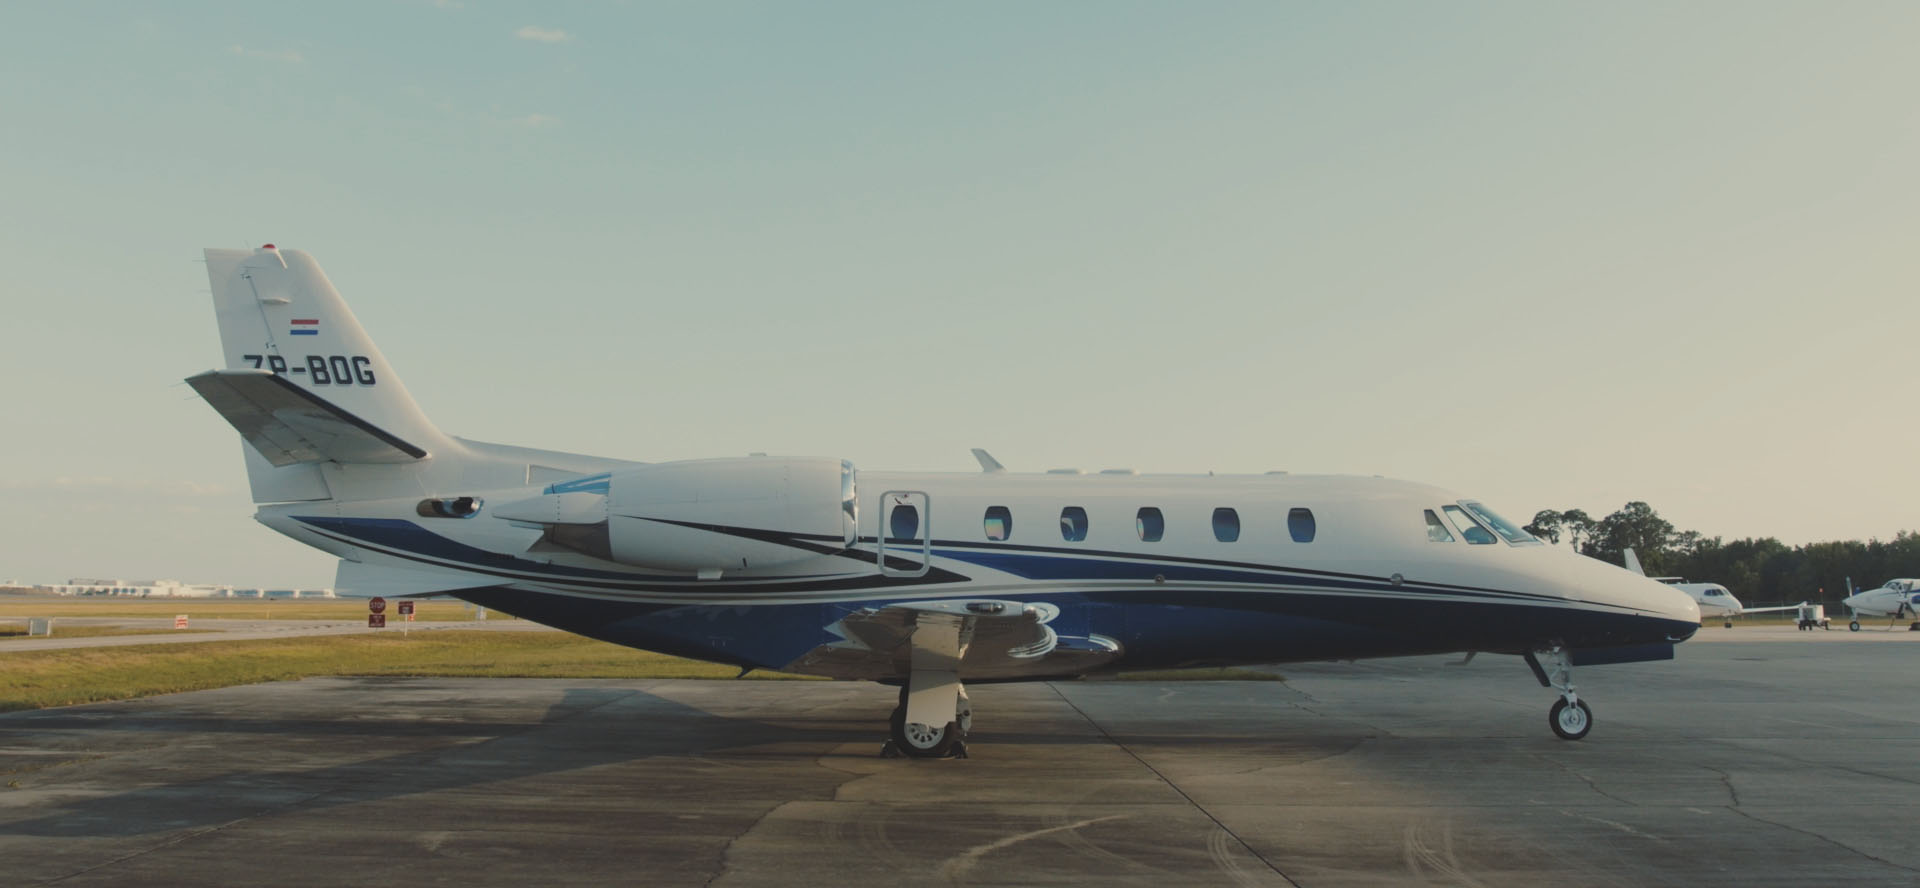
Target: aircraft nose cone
{"type": "Point", "coordinates": [1679, 605]}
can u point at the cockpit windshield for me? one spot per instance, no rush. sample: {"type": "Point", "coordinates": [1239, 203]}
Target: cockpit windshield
{"type": "Point", "coordinates": [1502, 526]}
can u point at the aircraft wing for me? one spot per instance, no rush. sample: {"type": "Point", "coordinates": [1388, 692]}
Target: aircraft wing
{"type": "Point", "coordinates": [975, 638]}
{"type": "Point", "coordinates": [358, 580]}
{"type": "Point", "coordinates": [1768, 610]}
{"type": "Point", "coordinates": [289, 425]}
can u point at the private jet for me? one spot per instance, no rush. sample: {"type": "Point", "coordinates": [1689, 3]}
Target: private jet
{"type": "Point", "coordinates": [925, 581]}
{"type": "Point", "coordinates": [1714, 599]}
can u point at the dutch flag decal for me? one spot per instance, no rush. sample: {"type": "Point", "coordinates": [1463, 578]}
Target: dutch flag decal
{"type": "Point", "coordinates": [305, 327]}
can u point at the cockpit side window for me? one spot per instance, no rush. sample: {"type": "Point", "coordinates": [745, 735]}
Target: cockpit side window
{"type": "Point", "coordinates": [1470, 530]}
{"type": "Point", "coordinates": [1436, 531]}
{"type": "Point", "coordinates": [1501, 526]}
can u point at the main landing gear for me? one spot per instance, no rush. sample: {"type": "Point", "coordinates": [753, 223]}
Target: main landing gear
{"type": "Point", "coordinates": [1570, 716]}
{"type": "Point", "coordinates": [920, 739]}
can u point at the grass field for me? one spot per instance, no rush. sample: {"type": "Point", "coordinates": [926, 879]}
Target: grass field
{"type": "Point", "coordinates": [12, 606]}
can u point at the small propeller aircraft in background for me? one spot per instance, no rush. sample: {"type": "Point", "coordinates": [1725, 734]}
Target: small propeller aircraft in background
{"type": "Point", "coordinates": [1896, 599]}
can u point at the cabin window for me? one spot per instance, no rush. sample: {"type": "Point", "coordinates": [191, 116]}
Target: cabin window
{"type": "Point", "coordinates": [1436, 530]}
{"type": "Point", "coordinates": [1501, 526]}
{"type": "Point", "coordinates": [1470, 530]}
{"type": "Point", "coordinates": [1226, 525]}
{"type": "Point", "coordinates": [903, 524]}
{"type": "Point", "coordinates": [1073, 524]}
{"type": "Point", "coordinates": [1300, 525]}
{"type": "Point", "coordinates": [1150, 524]}
{"type": "Point", "coordinates": [449, 507]}
{"type": "Point", "coordinates": [999, 523]}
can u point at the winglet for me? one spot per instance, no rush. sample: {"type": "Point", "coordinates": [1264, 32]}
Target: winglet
{"type": "Point", "coordinates": [987, 463]}
{"type": "Point", "coordinates": [1633, 562]}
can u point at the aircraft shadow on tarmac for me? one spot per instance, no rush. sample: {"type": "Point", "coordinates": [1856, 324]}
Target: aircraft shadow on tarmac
{"type": "Point", "coordinates": [589, 727]}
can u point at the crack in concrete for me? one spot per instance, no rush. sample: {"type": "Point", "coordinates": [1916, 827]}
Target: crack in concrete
{"type": "Point", "coordinates": [1590, 783]}
{"type": "Point", "coordinates": [183, 837]}
{"type": "Point", "coordinates": [1726, 780]}
{"type": "Point", "coordinates": [1173, 786]}
{"type": "Point", "coordinates": [1813, 835]}
{"type": "Point", "coordinates": [722, 866]}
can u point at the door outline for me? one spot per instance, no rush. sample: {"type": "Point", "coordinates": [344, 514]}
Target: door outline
{"type": "Point", "coordinates": [923, 533]}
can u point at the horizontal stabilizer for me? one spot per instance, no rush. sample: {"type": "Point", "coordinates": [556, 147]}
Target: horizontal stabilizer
{"type": "Point", "coordinates": [289, 425]}
{"type": "Point", "coordinates": [368, 580]}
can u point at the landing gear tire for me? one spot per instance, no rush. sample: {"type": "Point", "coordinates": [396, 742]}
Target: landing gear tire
{"type": "Point", "coordinates": [1729, 624]}
{"type": "Point", "coordinates": [1853, 626]}
{"type": "Point", "coordinates": [1570, 721]}
{"type": "Point", "coordinates": [916, 740]}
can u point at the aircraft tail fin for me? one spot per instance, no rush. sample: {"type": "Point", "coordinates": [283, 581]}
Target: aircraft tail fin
{"type": "Point", "coordinates": [1633, 561]}
{"type": "Point", "coordinates": [302, 381]}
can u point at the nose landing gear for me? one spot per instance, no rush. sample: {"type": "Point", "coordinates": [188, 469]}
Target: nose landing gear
{"type": "Point", "coordinates": [1571, 718]}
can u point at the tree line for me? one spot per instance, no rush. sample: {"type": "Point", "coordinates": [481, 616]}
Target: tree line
{"type": "Point", "coordinates": [1757, 571]}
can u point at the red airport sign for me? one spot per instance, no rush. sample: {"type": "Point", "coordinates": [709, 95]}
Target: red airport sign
{"type": "Point", "coordinates": [376, 621]}
{"type": "Point", "coordinates": [376, 605]}
{"type": "Point", "coordinates": [406, 609]}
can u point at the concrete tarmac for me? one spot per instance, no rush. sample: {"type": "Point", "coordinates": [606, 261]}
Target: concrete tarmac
{"type": "Point", "coordinates": [1758, 757]}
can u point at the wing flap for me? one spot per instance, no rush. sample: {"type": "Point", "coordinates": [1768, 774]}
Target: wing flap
{"type": "Point", "coordinates": [977, 639]}
{"type": "Point", "coordinates": [359, 580]}
{"type": "Point", "coordinates": [288, 424]}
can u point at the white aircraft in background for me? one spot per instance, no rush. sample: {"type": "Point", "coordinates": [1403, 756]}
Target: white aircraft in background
{"type": "Point", "coordinates": [1896, 599]}
{"type": "Point", "coordinates": [1713, 598]}
{"type": "Point", "coordinates": [921, 580]}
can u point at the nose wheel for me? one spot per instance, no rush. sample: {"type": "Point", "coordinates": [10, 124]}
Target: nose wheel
{"type": "Point", "coordinates": [1571, 718]}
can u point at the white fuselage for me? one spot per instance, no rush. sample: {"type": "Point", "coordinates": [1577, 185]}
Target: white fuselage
{"type": "Point", "coordinates": [1898, 598]}
{"type": "Point", "coordinates": [1713, 598]}
{"type": "Point", "coordinates": [1344, 566]}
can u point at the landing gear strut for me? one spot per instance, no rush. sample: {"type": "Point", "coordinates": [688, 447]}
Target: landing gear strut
{"type": "Point", "coordinates": [1571, 718]}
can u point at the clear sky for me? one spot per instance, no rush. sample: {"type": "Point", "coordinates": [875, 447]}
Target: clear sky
{"type": "Point", "coordinates": [1550, 255]}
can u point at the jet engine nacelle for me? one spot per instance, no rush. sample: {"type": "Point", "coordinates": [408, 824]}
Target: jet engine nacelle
{"type": "Point", "coordinates": [730, 514]}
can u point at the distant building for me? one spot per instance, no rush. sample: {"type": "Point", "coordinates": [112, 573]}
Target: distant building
{"type": "Point", "coordinates": [90, 586]}
{"type": "Point", "coordinates": [136, 588]}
